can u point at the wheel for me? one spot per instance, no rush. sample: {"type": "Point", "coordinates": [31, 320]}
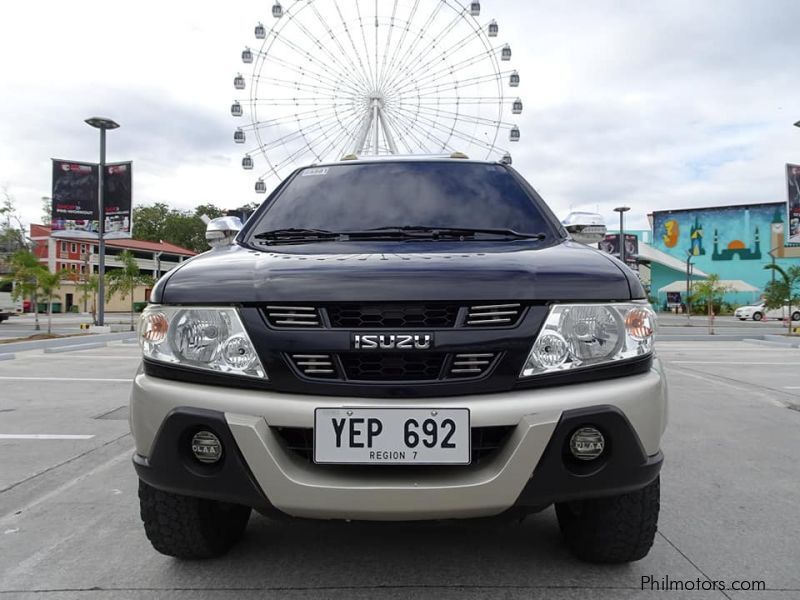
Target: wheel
{"type": "Point", "coordinates": [757, 316]}
{"type": "Point", "coordinates": [617, 529]}
{"type": "Point", "coordinates": [796, 316]}
{"type": "Point", "coordinates": [188, 527]}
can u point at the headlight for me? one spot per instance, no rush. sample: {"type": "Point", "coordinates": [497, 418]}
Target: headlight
{"type": "Point", "coordinates": [207, 338]}
{"type": "Point", "coordinates": [583, 335]}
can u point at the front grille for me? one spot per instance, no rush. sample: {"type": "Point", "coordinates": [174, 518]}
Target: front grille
{"type": "Point", "coordinates": [392, 367]}
{"type": "Point", "coordinates": [470, 365]}
{"type": "Point", "coordinates": [489, 315]}
{"type": "Point", "coordinates": [392, 316]}
{"type": "Point", "coordinates": [293, 316]}
{"type": "Point", "coordinates": [315, 365]}
{"type": "Point", "coordinates": [485, 441]}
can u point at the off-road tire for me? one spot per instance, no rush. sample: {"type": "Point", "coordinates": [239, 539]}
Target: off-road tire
{"type": "Point", "coordinates": [757, 316]}
{"type": "Point", "coordinates": [187, 527]}
{"type": "Point", "coordinates": [617, 529]}
{"type": "Point", "coordinates": [796, 316]}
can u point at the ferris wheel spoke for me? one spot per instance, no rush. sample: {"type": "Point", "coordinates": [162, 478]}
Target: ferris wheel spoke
{"type": "Point", "coordinates": [401, 42]}
{"type": "Point", "coordinates": [434, 88]}
{"type": "Point", "coordinates": [466, 117]}
{"type": "Point", "coordinates": [336, 80]}
{"type": "Point", "coordinates": [307, 147]}
{"type": "Point", "coordinates": [290, 118]}
{"type": "Point", "coordinates": [427, 66]}
{"type": "Point", "coordinates": [361, 69]}
{"type": "Point", "coordinates": [353, 68]}
{"type": "Point", "coordinates": [421, 124]}
{"type": "Point", "coordinates": [313, 59]}
{"type": "Point", "coordinates": [415, 55]}
{"type": "Point", "coordinates": [402, 54]}
{"type": "Point", "coordinates": [366, 48]}
{"type": "Point", "coordinates": [432, 75]}
{"type": "Point", "coordinates": [293, 135]}
{"type": "Point", "coordinates": [405, 132]}
{"type": "Point", "coordinates": [388, 43]}
{"type": "Point", "coordinates": [452, 131]}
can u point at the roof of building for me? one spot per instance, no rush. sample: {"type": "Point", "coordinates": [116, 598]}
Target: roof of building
{"type": "Point", "coordinates": [130, 244]}
{"type": "Point", "coordinates": [732, 285]}
{"type": "Point", "coordinates": [648, 253]}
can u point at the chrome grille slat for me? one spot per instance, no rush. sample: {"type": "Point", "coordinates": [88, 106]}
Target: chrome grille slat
{"type": "Point", "coordinates": [493, 314]}
{"type": "Point", "coordinates": [464, 365]}
{"type": "Point", "coordinates": [315, 365]}
{"type": "Point", "coordinates": [293, 316]}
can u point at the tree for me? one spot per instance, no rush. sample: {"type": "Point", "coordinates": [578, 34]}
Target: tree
{"type": "Point", "coordinates": [12, 231]}
{"type": "Point", "coordinates": [783, 291]}
{"type": "Point", "coordinates": [87, 285]}
{"type": "Point", "coordinates": [125, 280]}
{"type": "Point", "coordinates": [709, 291]}
{"type": "Point", "coordinates": [158, 222]}
{"type": "Point", "coordinates": [25, 270]}
{"type": "Point", "coordinates": [49, 284]}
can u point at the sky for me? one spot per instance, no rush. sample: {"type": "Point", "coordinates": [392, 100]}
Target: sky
{"type": "Point", "coordinates": [655, 105]}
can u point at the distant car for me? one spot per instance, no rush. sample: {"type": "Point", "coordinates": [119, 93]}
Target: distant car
{"type": "Point", "coordinates": [757, 312]}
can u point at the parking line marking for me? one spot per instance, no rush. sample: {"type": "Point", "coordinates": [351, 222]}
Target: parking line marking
{"type": "Point", "coordinates": [725, 362]}
{"type": "Point", "coordinates": [792, 387]}
{"type": "Point", "coordinates": [63, 379]}
{"type": "Point", "coordinates": [42, 436]}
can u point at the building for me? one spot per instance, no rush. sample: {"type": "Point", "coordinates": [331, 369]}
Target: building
{"type": "Point", "coordinates": [80, 257]}
{"type": "Point", "coordinates": [733, 242]}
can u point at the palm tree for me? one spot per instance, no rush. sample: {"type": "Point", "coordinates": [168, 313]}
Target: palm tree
{"type": "Point", "coordinates": [49, 284]}
{"type": "Point", "coordinates": [784, 291]}
{"type": "Point", "coordinates": [25, 272]}
{"type": "Point", "coordinates": [124, 281]}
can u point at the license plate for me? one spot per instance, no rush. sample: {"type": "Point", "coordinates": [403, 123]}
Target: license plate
{"type": "Point", "coordinates": [418, 436]}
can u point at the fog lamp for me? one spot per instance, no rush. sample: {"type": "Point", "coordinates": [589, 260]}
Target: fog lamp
{"type": "Point", "coordinates": [587, 443]}
{"type": "Point", "coordinates": [206, 447]}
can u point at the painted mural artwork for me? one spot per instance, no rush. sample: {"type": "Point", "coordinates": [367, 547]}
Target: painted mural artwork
{"type": "Point", "coordinates": [672, 232]}
{"type": "Point", "coordinates": [734, 242]}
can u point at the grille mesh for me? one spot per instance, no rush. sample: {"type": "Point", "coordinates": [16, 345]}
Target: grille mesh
{"type": "Point", "coordinates": [392, 367]}
{"type": "Point", "coordinates": [392, 316]}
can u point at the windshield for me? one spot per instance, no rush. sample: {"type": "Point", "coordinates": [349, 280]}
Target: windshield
{"type": "Point", "coordinates": [360, 197]}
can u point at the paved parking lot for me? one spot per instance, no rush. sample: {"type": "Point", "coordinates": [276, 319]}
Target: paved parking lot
{"type": "Point", "coordinates": [69, 525]}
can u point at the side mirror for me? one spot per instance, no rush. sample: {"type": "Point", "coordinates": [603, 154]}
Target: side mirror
{"type": "Point", "coordinates": [222, 231]}
{"type": "Point", "coordinates": [585, 227]}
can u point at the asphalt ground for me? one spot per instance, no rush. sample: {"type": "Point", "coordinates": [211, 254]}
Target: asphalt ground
{"type": "Point", "coordinates": [69, 524]}
{"type": "Point", "coordinates": [22, 326]}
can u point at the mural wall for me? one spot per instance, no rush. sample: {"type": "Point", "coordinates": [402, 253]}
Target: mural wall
{"type": "Point", "coordinates": [732, 241]}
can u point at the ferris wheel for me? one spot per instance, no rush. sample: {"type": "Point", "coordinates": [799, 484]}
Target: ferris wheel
{"type": "Point", "coordinates": [333, 78]}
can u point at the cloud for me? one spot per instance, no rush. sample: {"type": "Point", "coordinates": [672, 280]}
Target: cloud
{"type": "Point", "coordinates": [654, 105]}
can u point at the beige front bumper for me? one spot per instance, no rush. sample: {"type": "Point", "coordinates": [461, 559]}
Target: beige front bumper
{"type": "Point", "coordinates": [301, 489]}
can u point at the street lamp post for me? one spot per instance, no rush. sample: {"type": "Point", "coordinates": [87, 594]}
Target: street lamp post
{"type": "Point", "coordinates": [103, 125]}
{"type": "Point", "coordinates": [622, 210]}
{"type": "Point", "coordinates": [689, 268]}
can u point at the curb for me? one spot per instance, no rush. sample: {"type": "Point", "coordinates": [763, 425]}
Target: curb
{"type": "Point", "coordinates": [72, 348]}
{"type": "Point", "coordinates": [7, 357]}
{"type": "Point", "coordinates": [66, 341]}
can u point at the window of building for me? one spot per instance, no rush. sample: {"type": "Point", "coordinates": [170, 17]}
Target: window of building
{"type": "Point", "coordinates": [83, 248]}
{"type": "Point", "coordinates": [83, 268]}
{"type": "Point", "coordinates": [94, 249]}
{"type": "Point", "coordinates": [73, 267]}
{"type": "Point", "coordinates": [63, 266]}
{"type": "Point", "coordinates": [73, 248]}
{"type": "Point", "coordinates": [63, 246]}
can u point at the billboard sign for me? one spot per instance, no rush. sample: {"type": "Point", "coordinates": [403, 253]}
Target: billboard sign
{"type": "Point", "coordinates": [610, 244]}
{"type": "Point", "coordinates": [75, 200]}
{"type": "Point", "coordinates": [118, 184]}
{"type": "Point", "coordinates": [674, 300]}
{"type": "Point", "coordinates": [793, 188]}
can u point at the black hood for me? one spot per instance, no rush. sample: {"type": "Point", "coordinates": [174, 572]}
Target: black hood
{"type": "Point", "coordinates": [399, 271]}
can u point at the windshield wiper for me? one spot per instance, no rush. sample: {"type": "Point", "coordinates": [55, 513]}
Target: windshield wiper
{"type": "Point", "coordinates": [413, 231]}
{"type": "Point", "coordinates": [293, 234]}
